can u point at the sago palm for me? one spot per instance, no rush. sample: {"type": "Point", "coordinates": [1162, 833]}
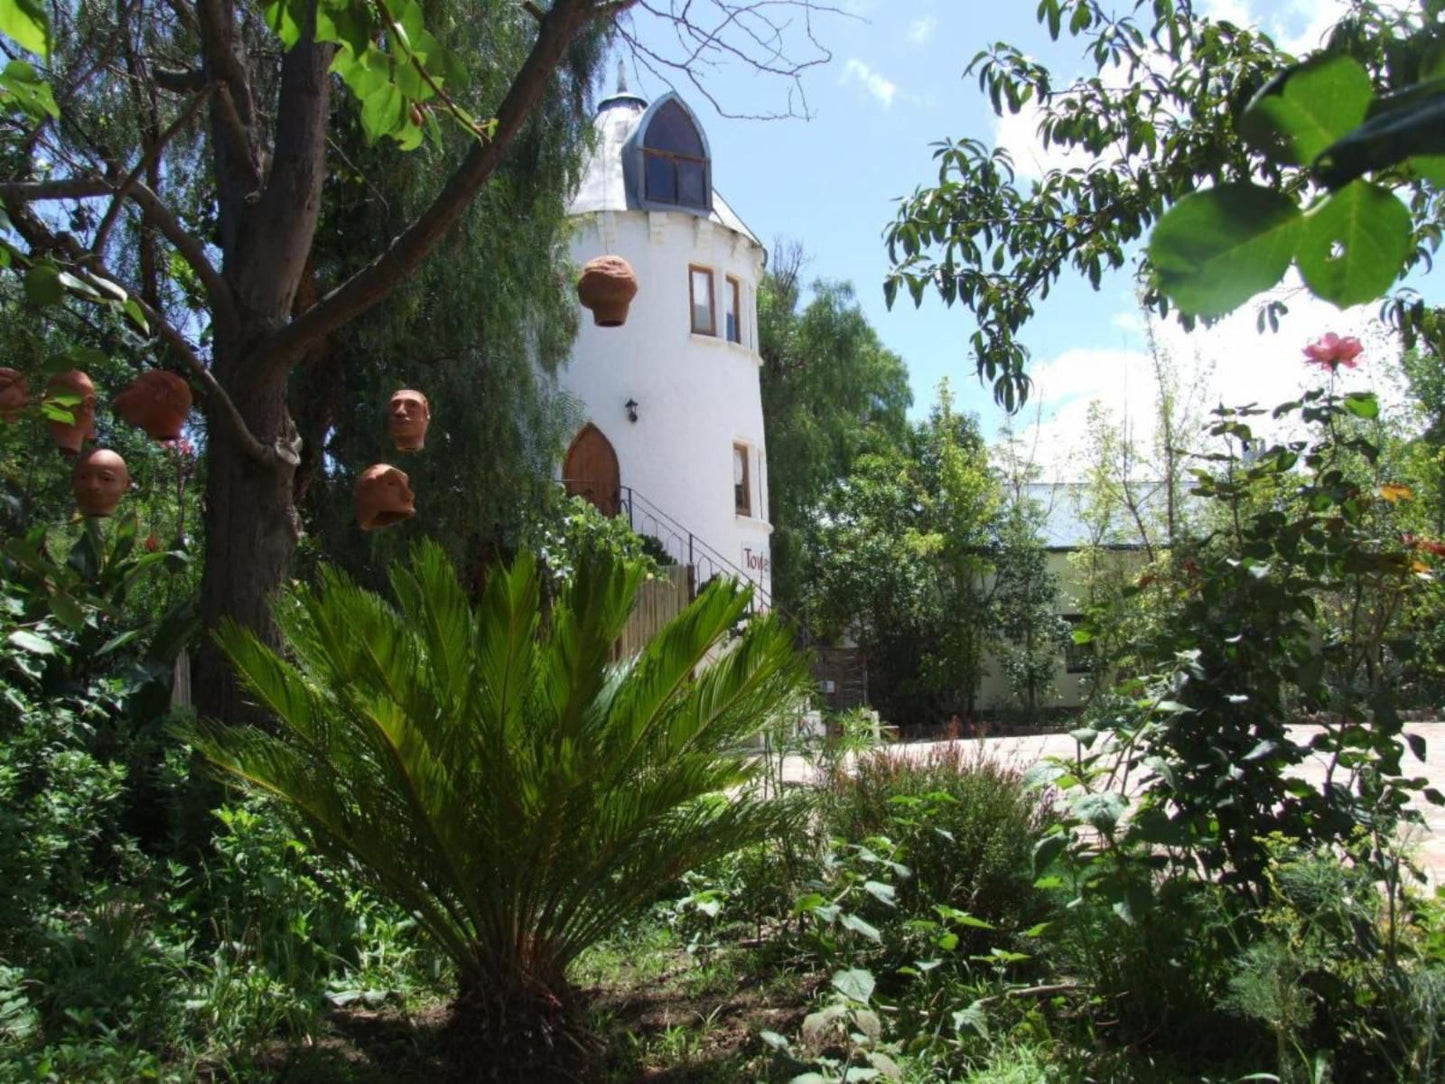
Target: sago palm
{"type": "Point", "coordinates": [493, 771]}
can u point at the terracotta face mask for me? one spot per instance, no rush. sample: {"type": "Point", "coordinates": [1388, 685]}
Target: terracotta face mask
{"type": "Point", "coordinates": [157, 402]}
{"type": "Point", "coordinates": [407, 417]}
{"type": "Point", "coordinates": [14, 396]}
{"type": "Point", "coordinates": [71, 436]}
{"type": "Point", "coordinates": [99, 481]}
{"type": "Point", "coordinates": [383, 496]}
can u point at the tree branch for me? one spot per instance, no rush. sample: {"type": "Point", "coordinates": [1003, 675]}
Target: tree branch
{"type": "Point", "coordinates": [151, 155]}
{"type": "Point", "coordinates": [47, 191]}
{"type": "Point", "coordinates": [178, 82]}
{"type": "Point", "coordinates": [193, 251]}
{"type": "Point", "coordinates": [374, 281]}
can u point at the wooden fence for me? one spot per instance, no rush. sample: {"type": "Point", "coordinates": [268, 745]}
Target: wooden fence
{"type": "Point", "coordinates": [659, 600]}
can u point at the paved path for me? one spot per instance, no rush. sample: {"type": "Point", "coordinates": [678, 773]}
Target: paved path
{"type": "Point", "coordinates": [1429, 839]}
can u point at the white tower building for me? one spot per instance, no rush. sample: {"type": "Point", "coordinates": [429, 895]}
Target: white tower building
{"type": "Point", "coordinates": [674, 430]}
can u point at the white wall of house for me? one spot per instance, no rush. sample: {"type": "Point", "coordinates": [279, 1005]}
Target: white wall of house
{"type": "Point", "coordinates": [696, 395]}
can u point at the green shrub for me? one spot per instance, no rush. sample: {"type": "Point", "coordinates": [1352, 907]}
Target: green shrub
{"type": "Point", "coordinates": [489, 768]}
{"type": "Point", "coordinates": [965, 823]}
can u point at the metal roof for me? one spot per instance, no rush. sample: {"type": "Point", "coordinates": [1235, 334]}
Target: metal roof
{"type": "Point", "coordinates": [604, 186]}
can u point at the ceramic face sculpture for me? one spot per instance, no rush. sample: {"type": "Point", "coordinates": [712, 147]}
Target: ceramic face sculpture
{"type": "Point", "coordinates": [607, 286]}
{"type": "Point", "coordinates": [383, 497]}
{"type": "Point", "coordinates": [99, 481]}
{"type": "Point", "coordinates": [157, 402]}
{"type": "Point", "coordinates": [14, 396]}
{"type": "Point", "coordinates": [407, 417]}
{"type": "Point", "coordinates": [71, 436]}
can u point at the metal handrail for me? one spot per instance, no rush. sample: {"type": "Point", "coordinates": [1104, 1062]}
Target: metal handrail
{"type": "Point", "coordinates": [676, 540]}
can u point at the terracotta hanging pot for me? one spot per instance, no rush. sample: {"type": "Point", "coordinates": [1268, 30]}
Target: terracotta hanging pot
{"type": "Point", "coordinates": [607, 287]}
{"type": "Point", "coordinates": [157, 402]}
{"type": "Point", "coordinates": [71, 436]}
{"type": "Point", "coordinates": [14, 395]}
{"type": "Point", "coordinates": [407, 417]}
{"type": "Point", "coordinates": [383, 496]}
{"type": "Point", "coordinates": [99, 480]}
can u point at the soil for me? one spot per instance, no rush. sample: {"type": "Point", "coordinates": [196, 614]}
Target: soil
{"type": "Point", "coordinates": [714, 1033]}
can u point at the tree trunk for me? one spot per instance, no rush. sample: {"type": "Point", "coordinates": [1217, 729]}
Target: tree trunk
{"type": "Point", "coordinates": [251, 532]}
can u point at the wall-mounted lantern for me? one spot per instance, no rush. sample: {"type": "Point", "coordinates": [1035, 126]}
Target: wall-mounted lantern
{"type": "Point", "coordinates": [631, 407]}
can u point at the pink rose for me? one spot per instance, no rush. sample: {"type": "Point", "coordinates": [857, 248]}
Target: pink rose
{"type": "Point", "coordinates": [1332, 351]}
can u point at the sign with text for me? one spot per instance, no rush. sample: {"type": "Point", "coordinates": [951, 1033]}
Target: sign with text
{"type": "Point", "coordinates": [757, 563]}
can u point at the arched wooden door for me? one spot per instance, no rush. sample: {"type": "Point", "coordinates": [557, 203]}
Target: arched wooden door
{"type": "Point", "coordinates": [591, 471]}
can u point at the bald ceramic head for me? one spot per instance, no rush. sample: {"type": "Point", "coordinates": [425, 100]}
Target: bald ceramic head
{"type": "Point", "coordinates": [157, 402]}
{"type": "Point", "coordinates": [71, 436]}
{"type": "Point", "coordinates": [14, 395]}
{"type": "Point", "coordinates": [99, 480]}
{"type": "Point", "coordinates": [383, 496]}
{"type": "Point", "coordinates": [407, 417]}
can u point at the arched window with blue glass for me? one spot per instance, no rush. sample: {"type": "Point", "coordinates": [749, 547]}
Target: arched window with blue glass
{"type": "Point", "coordinates": [675, 165]}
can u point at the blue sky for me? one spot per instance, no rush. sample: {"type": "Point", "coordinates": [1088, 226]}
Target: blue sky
{"type": "Point", "coordinates": [894, 86]}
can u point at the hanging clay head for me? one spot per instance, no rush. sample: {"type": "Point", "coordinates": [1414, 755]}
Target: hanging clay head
{"type": "Point", "coordinates": [607, 286]}
{"type": "Point", "coordinates": [14, 395]}
{"type": "Point", "coordinates": [383, 497]}
{"type": "Point", "coordinates": [70, 436]}
{"type": "Point", "coordinates": [407, 416]}
{"type": "Point", "coordinates": [157, 402]}
{"type": "Point", "coordinates": [99, 480]}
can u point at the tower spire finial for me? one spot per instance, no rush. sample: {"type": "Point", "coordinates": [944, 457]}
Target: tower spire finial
{"type": "Point", "coordinates": [621, 76]}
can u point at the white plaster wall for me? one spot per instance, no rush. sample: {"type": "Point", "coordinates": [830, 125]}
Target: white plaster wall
{"type": "Point", "coordinates": [697, 395]}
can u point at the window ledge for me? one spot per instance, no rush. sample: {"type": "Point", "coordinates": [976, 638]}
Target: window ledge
{"type": "Point", "coordinates": [736, 348]}
{"type": "Point", "coordinates": [754, 522]}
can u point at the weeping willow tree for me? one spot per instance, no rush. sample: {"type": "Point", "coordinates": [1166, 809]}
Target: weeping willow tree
{"type": "Point", "coordinates": [481, 330]}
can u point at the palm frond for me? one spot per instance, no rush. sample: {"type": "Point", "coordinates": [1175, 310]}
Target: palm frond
{"type": "Point", "coordinates": [490, 769]}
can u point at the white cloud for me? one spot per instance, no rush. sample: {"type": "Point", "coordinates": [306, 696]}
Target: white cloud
{"type": "Point", "coordinates": [1018, 133]}
{"type": "Point", "coordinates": [873, 83]}
{"type": "Point", "coordinates": [1231, 363]}
{"type": "Point", "coordinates": [1298, 26]}
{"type": "Point", "coordinates": [1233, 11]}
{"type": "Point", "coordinates": [920, 31]}
{"type": "Point", "coordinates": [1132, 322]}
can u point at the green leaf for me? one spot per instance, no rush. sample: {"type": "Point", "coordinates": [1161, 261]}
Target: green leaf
{"type": "Point", "coordinates": [1300, 112]}
{"type": "Point", "coordinates": [1404, 126]}
{"type": "Point", "coordinates": [1046, 850]}
{"type": "Point", "coordinates": [856, 983]}
{"type": "Point", "coordinates": [1354, 245]}
{"type": "Point", "coordinates": [137, 316]}
{"type": "Point", "coordinates": [382, 111]}
{"type": "Point", "coordinates": [31, 92]}
{"type": "Point", "coordinates": [1214, 250]}
{"type": "Point", "coordinates": [885, 893]}
{"type": "Point", "coordinates": [28, 641]}
{"type": "Point", "coordinates": [25, 22]}
{"type": "Point", "coordinates": [42, 284]}
{"type": "Point", "coordinates": [1362, 404]}
{"type": "Point", "coordinates": [1102, 811]}
{"type": "Point", "coordinates": [857, 925]}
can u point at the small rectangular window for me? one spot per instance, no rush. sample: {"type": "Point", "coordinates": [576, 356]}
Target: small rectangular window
{"type": "Point", "coordinates": [742, 483]}
{"type": "Point", "coordinates": [732, 310]}
{"type": "Point", "coordinates": [704, 321]}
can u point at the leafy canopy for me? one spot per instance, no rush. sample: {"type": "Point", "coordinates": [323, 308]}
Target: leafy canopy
{"type": "Point", "coordinates": [1205, 117]}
